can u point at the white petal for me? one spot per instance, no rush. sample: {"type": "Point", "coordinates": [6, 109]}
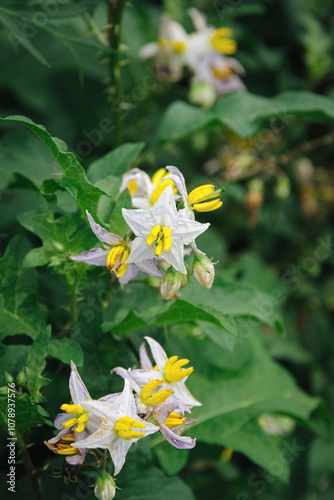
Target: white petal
{"type": "Point", "coordinates": [198, 19]}
{"type": "Point", "coordinates": [94, 257]}
{"type": "Point", "coordinates": [126, 375]}
{"type": "Point", "coordinates": [145, 361]}
{"type": "Point", "coordinates": [108, 239]}
{"type": "Point", "coordinates": [149, 50]}
{"type": "Point", "coordinates": [159, 355]}
{"type": "Point", "coordinates": [183, 395]}
{"type": "Point", "coordinates": [78, 389]}
{"type": "Point", "coordinates": [174, 256]}
{"type": "Point", "coordinates": [188, 230]}
{"type": "Point", "coordinates": [118, 453]}
{"type": "Point", "coordinates": [140, 251]}
{"type": "Point", "coordinates": [139, 220]}
{"type": "Point", "coordinates": [102, 438]}
{"type": "Point", "coordinates": [150, 267]}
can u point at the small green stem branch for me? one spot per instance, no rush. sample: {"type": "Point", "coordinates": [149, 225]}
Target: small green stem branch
{"type": "Point", "coordinates": [73, 283]}
{"type": "Point", "coordinates": [30, 469]}
{"type": "Point", "coordinates": [94, 29]}
{"type": "Point", "coordinates": [115, 11]}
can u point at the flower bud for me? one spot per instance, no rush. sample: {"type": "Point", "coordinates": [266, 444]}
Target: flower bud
{"type": "Point", "coordinates": [105, 488]}
{"type": "Point", "coordinates": [170, 283]}
{"type": "Point", "coordinates": [203, 270]}
{"type": "Point", "coordinates": [202, 94]}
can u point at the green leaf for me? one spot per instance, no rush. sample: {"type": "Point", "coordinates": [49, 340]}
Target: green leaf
{"type": "Point", "coordinates": [35, 365]}
{"type": "Point", "coordinates": [61, 237]}
{"type": "Point", "coordinates": [244, 113]}
{"type": "Point", "coordinates": [171, 459]}
{"type": "Point", "coordinates": [74, 181]}
{"type": "Point", "coordinates": [114, 163]}
{"type": "Point", "coordinates": [118, 224]}
{"type": "Point", "coordinates": [66, 350]}
{"type": "Point", "coordinates": [12, 358]}
{"type": "Point", "coordinates": [233, 401]}
{"type": "Point", "coordinates": [21, 314]}
{"type": "Point", "coordinates": [27, 414]}
{"type": "Point", "coordinates": [152, 484]}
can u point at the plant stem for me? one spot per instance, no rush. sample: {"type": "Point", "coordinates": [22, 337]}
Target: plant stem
{"type": "Point", "coordinates": [305, 147]}
{"type": "Point", "coordinates": [94, 29]}
{"type": "Point", "coordinates": [30, 469]}
{"type": "Point", "coordinates": [115, 12]}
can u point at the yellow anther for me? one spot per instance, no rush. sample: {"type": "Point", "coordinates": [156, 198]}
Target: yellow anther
{"type": "Point", "coordinates": [80, 417]}
{"type": "Point", "coordinates": [158, 397]}
{"type": "Point", "coordinates": [67, 451]}
{"type": "Point", "coordinates": [124, 425]}
{"type": "Point", "coordinates": [226, 454]}
{"type": "Point", "coordinates": [223, 73]}
{"type": "Point", "coordinates": [132, 187]}
{"type": "Point", "coordinates": [263, 423]}
{"type": "Point", "coordinates": [158, 176]}
{"type": "Point", "coordinates": [156, 368]}
{"type": "Point", "coordinates": [116, 260]}
{"type": "Point", "coordinates": [220, 41]}
{"type": "Point", "coordinates": [205, 198]}
{"type": "Point", "coordinates": [74, 409]}
{"type": "Point", "coordinates": [179, 47]}
{"type": "Point", "coordinates": [173, 371]}
{"type": "Point", "coordinates": [159, 246]}
{"type": "Point", "coordinates": [113, 256]}
{"type": "Point", "coordinates": [153, 235]}
{"type": "Point", "coordinates": [209, 206]}
{"type": "Point", "coordinates": [69, 423]}
{"type": "Point", "coordinates": [160, 236]}
{"type": "Point", "coordinates": [174, 420]}
{"type": "Point", "coordinates": [161, 188]}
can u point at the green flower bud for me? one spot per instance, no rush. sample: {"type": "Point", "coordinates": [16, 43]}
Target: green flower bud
{"type": "Point", "coordinates": [203, 270]}
{"type": "Point", "coordinates": [203, 94]}
{"type": "Point", "coordinates": [170, 283]}
{"type": "Point", "coordinates": [105, 488]}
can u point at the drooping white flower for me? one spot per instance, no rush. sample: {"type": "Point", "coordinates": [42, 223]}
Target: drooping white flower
{"type": "Point", "coordinates": [75, 424]}
{"type": "Point", "coordinates": [120, 426]}
{"type": "Point", "coordinates": [161, 231]}
{"type": "Point", "coordinates": [114, 254]}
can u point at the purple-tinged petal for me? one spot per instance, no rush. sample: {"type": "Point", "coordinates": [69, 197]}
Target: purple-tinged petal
{"type": "Point", "coordinates": [94, 257]}
{"type": "Point", "coordinates": [126, 375]}
{"type": "Point", "coordinates": [150, 267]}
{"type": "Point", "coordinates": [129, 275]}
{"type": "Point", "coordinates": [61, 418]}
{"type": "Point", "coordinates": [108, 239]}
{"type": "Point", "coordinates": [161, 413]}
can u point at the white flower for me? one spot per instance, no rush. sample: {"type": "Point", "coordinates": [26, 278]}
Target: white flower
{"type": "Point", "coordinates": [140, 187]}
{"type": "Point", "coordinates": [114, 254]}
{"type": "Point", "coordinates": [76, 423]}
{"type": "Point", "coordinates": [172, 51]}
{"type": "Point", "coordinates": [161, 231]}
{"type": "Point", "coordinates": [168, 376]}
{"type": "Point", "coordinates": [120, 426]}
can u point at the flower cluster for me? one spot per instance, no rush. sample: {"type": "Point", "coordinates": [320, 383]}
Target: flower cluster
{"type": "Point", "coordinates": [154, 399]}
{"type": "Point", "coordinates": [161, 224]}
{"type": "Point", "coordinates": [204, 52]}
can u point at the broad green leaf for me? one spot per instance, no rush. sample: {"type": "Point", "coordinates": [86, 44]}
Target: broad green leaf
{"type": "Point", "coordinates": [114, 163]}
{"type": "Point", "coordinates": [12, 359]}
{"type": "Point", "coordinates": [233, 401]}
{"type": "Point", "coordinates": [171, 459]}
{"type": "Point", "coordinates": [66, 350]}
{"type": "Point", "coordinates": [21, 314]}
{"type": "Point", "coordinates": [152, 484]}
{"type": "Point", "coordinates": [61, 237]}
{"type": "Point", "coordinates": [74, 181]}
{"type": "Point", "coordinates": [27, 414]}
{"type": "Point", "coordinates": [20, 153]}
{"type": "Point", "coordinates": [117, 221]}
{"type": "Point", "coordinates": [35, 365]}
{"type": "Point", "coordinates": [244, 113]}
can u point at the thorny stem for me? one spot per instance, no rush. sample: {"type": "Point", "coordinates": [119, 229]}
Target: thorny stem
{"type": "Point", "coordinates": [115, 11]}
{"type": "Point", "coordinates": [30, 469]}
{"type": "Point", "coordinates": [86, 466]}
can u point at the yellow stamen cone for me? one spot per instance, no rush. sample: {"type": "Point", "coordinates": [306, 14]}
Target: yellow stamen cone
{"type": "Point", "coordinates": [159, 248]}
{"type": "Point", "coordinates": [69, 423]}
{"type": "Point", "coordinates": [132, 187]}
{"type": "Point", "coordinates": [200, 192]}
{"type": "Point", "coordinates": [158, 176]}
{"type": "Point", "coordinates": [208, 206]}
{"type": "Point", "coordinates": [179, 47]}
